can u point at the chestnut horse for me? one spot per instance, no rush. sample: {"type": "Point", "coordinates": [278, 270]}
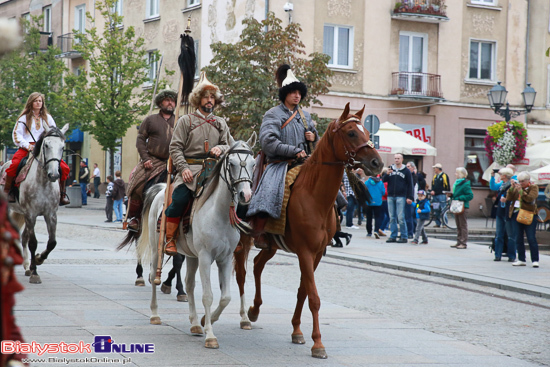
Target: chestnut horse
{"type": "Point", "coordinates": [311, 220]}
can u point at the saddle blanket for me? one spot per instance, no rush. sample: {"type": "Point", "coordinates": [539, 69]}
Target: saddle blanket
{"type": "Point", "coordinates": [278, 225]}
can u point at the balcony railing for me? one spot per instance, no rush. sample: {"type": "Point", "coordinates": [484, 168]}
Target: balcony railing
{"type": "Point", "coordinates": [431, 11]}
{"type": "Point", "coordinates": [65, 43]}
{"type": "Point", "coordinates": [416, 85]}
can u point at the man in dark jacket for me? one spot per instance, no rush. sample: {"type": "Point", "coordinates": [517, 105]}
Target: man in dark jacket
{"type": "Point", "coordinates": [400, 193]}
{"type": "Point", "coordinates": [440, 184]}
{"type": "Point", "coordinates": [84, 178]}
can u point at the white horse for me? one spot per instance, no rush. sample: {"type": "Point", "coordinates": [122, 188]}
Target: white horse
{"type": "Point", "coordinates": [39, 195]}
{"type": "Point", "coordinates": [210, 238]}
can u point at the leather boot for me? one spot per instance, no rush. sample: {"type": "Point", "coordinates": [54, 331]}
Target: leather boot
{"type": "Point", "coordinates": [63, 198]}
{"type": "Point", "coordinates": [134, 213]}
{"type": "Point", "coordinates": [260, 239]}
{"type": "Point", "coordinates": [7, 188]}
{"type": "Point", "coordinates": [171, 237]}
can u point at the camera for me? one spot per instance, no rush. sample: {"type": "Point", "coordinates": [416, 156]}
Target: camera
{"type": "Point", "coordinates": [288, 7]}
{"type": "Point", "coordinates": [495, 170]}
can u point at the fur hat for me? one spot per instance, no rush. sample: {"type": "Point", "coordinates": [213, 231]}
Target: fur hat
{"type": "Point", "coordinates": [200, 90]}
{"type": "Point", "coordinates": [287, 82]}
{"type": "Point", "coordinates": [167, 93]}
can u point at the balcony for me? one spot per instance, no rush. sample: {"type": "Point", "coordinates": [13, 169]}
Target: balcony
{"type": "Point", "coordinates": [65, 43]}
{"type": "Point", "coordinates": [416, 85]}
{"type": "Point", "coordinates": [426, 11]}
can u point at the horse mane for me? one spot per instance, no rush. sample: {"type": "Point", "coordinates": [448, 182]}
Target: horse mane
{"type": "Point", "coordinates": [54, 131]}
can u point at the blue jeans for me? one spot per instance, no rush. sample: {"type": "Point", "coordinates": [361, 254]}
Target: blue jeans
{"type": "Point", "coordinates": [500, 235]}
{"type": "Point", "coordinates": [352, 203]}
{"type": "Point", "coordinates": [410, 217]}
{"type": "Point", "coordinates": [439, 199]}
{"type": "Point", "coordinates": [117, 206]}
{"type": "Point", "coordinates": [530, 232]}
{"type": "Point", "coordinates": [396, 208]}
{"type": "Point", "coordinates": [83, 190]}
{"type": "Point", "coordinates": [511, 230]}
{"type": "Point", "coordinates": [385, 216]}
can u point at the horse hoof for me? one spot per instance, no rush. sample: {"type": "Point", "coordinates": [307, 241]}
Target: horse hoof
{"type": "Point", "coordinates": [298, 339]}
{"type": "Point", "coordinates": [155, 320]}
{"type": "Point", "coordinates": [27, 273]}
{"type": "Point", "coordinates": [196, 330]}
{"type": "Point", "coordinates": [35, 279]}
{"type": "Point", "coordinates": [182, 298]}
{"type": "Point", "coordinates": [165, 289]}
{"type": "Point", "coordinates": [319, 353]}
{"type": "Point", "coordinates": [38, 260]}
{"type": "Point", "coordinates": [246, 325]}
{"type": "Point", "coordinates": [252, 316]}
{"type": "Point", "coordinates": [211, 343]}
{"type": "Point", "coordinates": [140, 282]}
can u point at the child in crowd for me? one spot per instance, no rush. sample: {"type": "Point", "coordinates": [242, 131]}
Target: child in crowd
{"type": "Point", "coordinates": [422, 215]}
{"type": "Point", "coordinates": [109, 196]}
{"type": "Point", "coordinates": [118, 193]}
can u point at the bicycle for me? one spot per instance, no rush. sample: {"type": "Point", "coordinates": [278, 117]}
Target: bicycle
{"type": "Point", "coordinates": [444, 214]}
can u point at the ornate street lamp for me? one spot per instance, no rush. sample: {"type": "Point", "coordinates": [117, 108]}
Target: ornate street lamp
{"type": "Point", "coordinates": [497, 99]}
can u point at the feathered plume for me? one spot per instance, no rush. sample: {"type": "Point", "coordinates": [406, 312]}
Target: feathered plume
{"type": "Point", "coordinates": [187, 61]}
{"type": "Point", "coordinates": [280, 74]}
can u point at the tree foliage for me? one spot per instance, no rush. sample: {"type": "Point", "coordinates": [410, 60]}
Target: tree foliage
{"type": "Point", "coordinates": [110, 98]}
{"type": "Point", "coordinates": [245, 71]}
{"type": "Point", "coordinates": [29, 70]}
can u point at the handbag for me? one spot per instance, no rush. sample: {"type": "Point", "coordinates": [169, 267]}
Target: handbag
{"type": "Point", "coordinates": [457, 207]}
{"type": "Point", "coordinates": [525, 217]}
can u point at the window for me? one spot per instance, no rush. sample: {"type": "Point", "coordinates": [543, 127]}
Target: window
{"type": "Point", "coordinates": [475, 157]}
{"type": "Point", "coordinates": [338, 44]}
{"type": "Point", "coordinates": [152, 8]}
{"type": "Point", "coordinates": [197, 64]}
{"type": "Point", "coordinates": [152, 67]}
{"type": "Point", "coordinates": [482, 59]}
{"type": "Point", "coordinates": [27, 18]}
{"type": "Point", "coordinates": [193, 2]}
{"type": "Point", "coordinates": [413, 61]}
{"type": "Point", "coordinates": [80, 19]}
{"type": "Point", "coordinates": [47, 13]}
{"type": "Point", "coordinates": [484, 2]}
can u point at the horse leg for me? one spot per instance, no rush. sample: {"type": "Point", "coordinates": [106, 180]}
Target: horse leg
{"type": "Point", "coordinates": [33, 244]}
{"type": "Point", "coordinates": [166, 286]}
{"type": "Point", "coordinates": [25, 242]}
{"type": "Point", "coordinates": [155, 318]}
{"type": "Point", "coordinates": [178, 263]}
{"type": "Point", "coordinates": [259, 263]}
{"type": "Point", "coordinates": [308, 263]}
{"type": "Point", "coordinates": [51, 225]}
{"type": "Point", "coordinates": [224, 275]}
{"type": "Point", "coordinates": [140, 282]}
{"type": "Point", "coordinates": [240, 258]}
{"type": "Point", "coordinates": [192, 266]}
{"type": "Point", "coordinates": [205, 265]}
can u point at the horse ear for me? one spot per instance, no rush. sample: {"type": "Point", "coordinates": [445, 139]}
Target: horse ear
{"type": "Point", "coordinates": [345, 114]}
{"type": "Point", "coordinates": [65, 128]}
{"type": "Point", "coordinates": [252, 141]}
{"type": "Point", "coordinates": [360, 113]}
{"type": "Point", "coordinates": [46, 128]}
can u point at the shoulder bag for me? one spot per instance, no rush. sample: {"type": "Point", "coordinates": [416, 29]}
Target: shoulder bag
{"type": "Point", "coordinates": [457, 207]}
{"type": "Point", "coordinates": [525, 217]}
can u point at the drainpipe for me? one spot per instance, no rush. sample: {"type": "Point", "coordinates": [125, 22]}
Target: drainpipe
{"type": "Point", "coordinates": [527, 48]}
{"type": "Point", "coordinates": [266, 11]}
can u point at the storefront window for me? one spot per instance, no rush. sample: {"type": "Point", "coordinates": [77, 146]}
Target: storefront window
{"type": "Point", "coordinates": [476, 160]}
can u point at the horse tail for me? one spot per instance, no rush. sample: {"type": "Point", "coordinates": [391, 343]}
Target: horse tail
{"type": "Point", "coordinates": [143, 242]}
{"type": "Point", "coordinates": [131, 236]}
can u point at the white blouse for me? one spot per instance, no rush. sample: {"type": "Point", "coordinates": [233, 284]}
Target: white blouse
{"type": "Point", "coordinates": [21, 136]}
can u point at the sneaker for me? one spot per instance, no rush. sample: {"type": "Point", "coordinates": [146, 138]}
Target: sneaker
{"type": "Point", "coordinates": [496, 259]}
{"type": "Point", "coordinates": [535, 264]}
{"type": "Point", "coordinates": [519, 263]}
{"type": "Point", "coordinates": [381, 233]}
{"type": "Point", "coordinates": [369, 234]}
{"type": "Point", "coordinates": [352, 227]}
{"type": "Point", "coordinates": [414, 242]}
{"type": "Point", "coordinates": [376, 235]}
{"type": "Point", "coordinates": [402, 240]}
{"type": "Point", "coordinates": [108, 221]}
{"type": "Point", "coordinates": [348, 238]}
{"type": "Point", "coordinates": [437, 226]}
{"type": "Point", "coordinates": [461, 247]}
{"type": "Point", "coordinates": [511, 260]}
{"type": "Point", "coordinates": [391, 240]}
{"type": "Point", "coordinates": [424, 242]}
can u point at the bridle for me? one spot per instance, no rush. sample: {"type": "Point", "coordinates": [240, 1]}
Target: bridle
{"type": "Point", "coordinates": [230, 181]}
{"type": "Point", "coordinates": [54, 134]}
{"type": "Point", "coordinates": [350, 152]}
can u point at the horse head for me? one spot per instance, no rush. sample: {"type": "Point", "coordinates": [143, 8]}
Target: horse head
{"type": "Point", "coordinates": [352, 144]}
{"type": "Point", "coordinates": [239, 167]}
{"type": "Point", "coordinates": [49, 150]}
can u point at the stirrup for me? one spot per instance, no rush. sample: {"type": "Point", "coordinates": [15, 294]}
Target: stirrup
{"type": "Point", "coordinates": [169, 250]}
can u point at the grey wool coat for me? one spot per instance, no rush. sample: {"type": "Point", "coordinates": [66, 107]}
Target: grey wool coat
{"type": "Point", "coordinates": [278, 144]}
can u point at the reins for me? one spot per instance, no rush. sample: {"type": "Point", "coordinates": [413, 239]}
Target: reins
{"type": "Point", "coordinates": [231, 182]}
{"type": "Point", "coordinates": [42, 153]}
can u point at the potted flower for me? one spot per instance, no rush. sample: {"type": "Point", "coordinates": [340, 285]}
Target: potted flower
{"type": "Point", "coordinates": [435, 5]}
{"type": "Point", "coordinates": [505, 142]}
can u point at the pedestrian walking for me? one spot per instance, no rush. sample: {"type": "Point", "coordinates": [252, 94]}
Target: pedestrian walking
{"type": "Point", "coordinates": [410, 212]}
{"type": "Point", "coordinates": [523, 213]}
{"type": "Point", "coordinates": [384, 208]}
{"type": "Point", "coordinates": [352, 203]}
{"type": "Point", "coordinates": [505, 226]}
{"type": "Point", "coordinates": [96, 175]}
{"type": "Point", "coordinates": [84, 179]}
{"type": "Point", "coordinates": [422, 215]}
{"type": "Point", "coordinates": [400, 193]}
{"type": "Point", "coordinates": [118, 193]}
{"type": "Point", "coordinates": [374, 208]}
{"type": "Point", "coordinates": [341, 202]}
{"type": "Point", "coordinates": [440, 185]}
{"type": "Point", "coordinates": [109, 199]}
{"type": "Point", "coordinates": [462, 191]}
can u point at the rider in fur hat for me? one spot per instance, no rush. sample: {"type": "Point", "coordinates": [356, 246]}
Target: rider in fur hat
{"type": "Point", "coordinates": [154, 136]}
{"type": "Point", "coordinates": [287, 133]}
{"type": "Point", "coordinates": [196, 137]}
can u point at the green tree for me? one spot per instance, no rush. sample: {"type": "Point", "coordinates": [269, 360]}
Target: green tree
{"type": "Point", "coordinates": [29, 70]}
{"type": "Point", "coordinates": [245, 71]}
{"type": "Point", "coordinates": [109, 95]}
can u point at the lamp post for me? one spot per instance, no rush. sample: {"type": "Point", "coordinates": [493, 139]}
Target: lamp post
{"type": "Point", "coordinates": [497, 98]}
